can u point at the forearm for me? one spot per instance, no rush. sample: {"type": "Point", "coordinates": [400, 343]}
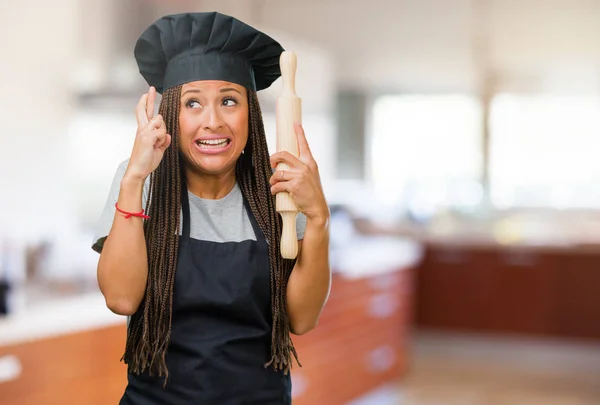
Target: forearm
{"type": "Point", "coordinates": [123, 264]}
{"type": "Point", "coordinates": [310, 281]}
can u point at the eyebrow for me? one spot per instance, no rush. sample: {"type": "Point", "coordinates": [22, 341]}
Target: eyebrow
{"type": "Point", "coordinates": [191, 91]}
{"type": "Point", "coordinates": [223, 90]}
{"type": "Point", "coordinates": [226, 89]}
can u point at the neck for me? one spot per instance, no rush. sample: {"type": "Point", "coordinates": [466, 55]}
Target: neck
{"type": "Point", "coordinates": [210, 186]}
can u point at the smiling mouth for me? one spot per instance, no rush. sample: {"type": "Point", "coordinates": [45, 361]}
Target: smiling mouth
{"type": "Point", "coordinates": [213, 143]}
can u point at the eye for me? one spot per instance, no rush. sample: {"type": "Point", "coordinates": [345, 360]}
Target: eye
{"type": "Point", "coordinates": [192, 104]}
{"type": "Point", "coordinates": [229, 102]}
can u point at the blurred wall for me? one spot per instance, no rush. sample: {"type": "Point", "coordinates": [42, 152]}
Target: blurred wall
{"type": "Point", "coordinates": [38, 42]}
{"type": "Point", "coordinates": [430, 45]}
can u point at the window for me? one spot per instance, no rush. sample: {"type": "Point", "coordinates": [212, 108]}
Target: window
{"type": "Point", "coordinates": [544, 151]}
{"type": "Point", "coordinates": [426, 152]}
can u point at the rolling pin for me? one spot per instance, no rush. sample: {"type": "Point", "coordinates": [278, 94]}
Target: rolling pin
{"type": "Point", "coordinates": [288, 111]}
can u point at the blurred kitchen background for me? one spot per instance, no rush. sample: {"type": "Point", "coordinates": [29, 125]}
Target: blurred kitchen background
{"type": "Point", "coordinates": [458, 144]}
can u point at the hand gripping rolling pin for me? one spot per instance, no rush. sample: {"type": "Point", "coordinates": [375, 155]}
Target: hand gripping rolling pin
{"type": "Point", "coordinates": [288, 111]}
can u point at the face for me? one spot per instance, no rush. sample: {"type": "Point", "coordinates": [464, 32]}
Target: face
{"type": "Point", "coordinates": [213, 125]}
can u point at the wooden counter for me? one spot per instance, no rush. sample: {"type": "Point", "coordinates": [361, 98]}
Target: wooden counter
{"type": "Point", "coordinates": [360, 344]}
{"type": "Point", "coordinates": [361, 341]}
{"type": "Point", "coordinates": [80, 368]}
{"type": "Point", "coordinates": [529, 290]}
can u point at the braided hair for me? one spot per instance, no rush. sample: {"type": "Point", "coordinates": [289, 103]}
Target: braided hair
{"type": "Point", "coordinates": [149, 329]}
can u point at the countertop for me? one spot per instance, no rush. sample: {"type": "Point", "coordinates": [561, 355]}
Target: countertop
{"type": "Point", "coordinates": [358, 257]}
{"type": "Point", "coordinates": [58, 317]}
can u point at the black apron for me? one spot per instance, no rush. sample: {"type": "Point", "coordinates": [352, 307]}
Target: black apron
{"type": "Point", "coordinates": [221, 328]}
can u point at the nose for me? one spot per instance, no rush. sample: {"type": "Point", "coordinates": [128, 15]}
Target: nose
{"type": "Point", "coordinates": [213, 121]}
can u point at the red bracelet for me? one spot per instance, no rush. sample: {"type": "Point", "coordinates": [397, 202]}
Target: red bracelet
{"type": "Point", "coordinates": [132, 214]}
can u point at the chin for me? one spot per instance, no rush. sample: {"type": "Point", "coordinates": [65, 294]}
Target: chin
{"type": "Point", "coordinates": [215, 165]}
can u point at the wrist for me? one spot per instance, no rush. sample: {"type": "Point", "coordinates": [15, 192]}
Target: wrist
{"type": "Point", "coordinates": [130, 194]}
{"type": "Point", "coordinates": [132, 183]}
{"type": "Point", "coordinates": [320, 219]}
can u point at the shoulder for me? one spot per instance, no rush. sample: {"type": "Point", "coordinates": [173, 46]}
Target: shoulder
{"type": "Point", "coordinates": [123, 166]}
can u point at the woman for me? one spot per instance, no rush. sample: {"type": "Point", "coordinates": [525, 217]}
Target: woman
{"type": "Point", "coordinates": [212, 302]}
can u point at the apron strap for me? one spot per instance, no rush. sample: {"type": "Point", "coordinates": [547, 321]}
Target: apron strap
{"type": "Point", "coordinates": [185, 208]}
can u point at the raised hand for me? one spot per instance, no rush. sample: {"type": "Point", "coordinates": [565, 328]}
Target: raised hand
{"type": "Point", "coordinates": [151, 139]}
{"type": "Point", "coordinates": [302, 181]}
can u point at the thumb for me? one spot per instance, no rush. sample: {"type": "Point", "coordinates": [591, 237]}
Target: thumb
{"type": "Point", "coordinates": [166, 143]}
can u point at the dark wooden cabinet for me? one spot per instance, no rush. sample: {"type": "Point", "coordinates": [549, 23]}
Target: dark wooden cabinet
{"type": "Point", "coordinates": [497, 289]}
{"type": "Point", "coordinates": [521, 290]}
{"type": "Point", "coordinates": [454, 289]}
{"type": "Point", "coordinates": [576, 310]}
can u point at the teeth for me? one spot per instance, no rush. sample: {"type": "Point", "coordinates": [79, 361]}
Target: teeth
{"type": "Point", "coordinates": [212, 143]}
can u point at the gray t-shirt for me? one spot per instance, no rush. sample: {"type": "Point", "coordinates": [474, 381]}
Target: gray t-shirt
{"type": "Point", "coordinates": [222, 220]}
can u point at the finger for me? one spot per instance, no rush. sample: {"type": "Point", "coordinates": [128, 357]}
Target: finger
{"type": "Point", "coordinates": [154, 136]}
{"type": "Point", "coordinates": [283, 175]}
{"type": "Point", "coordinates": [160, 139]}
{"type": "Point", "coordinates": [157, 138]}
{"type": "Point", "coordinates": [281, 187]}
{"type": "Point", "coordinates": [150, 102]}
{"type": "Point", "coordinates": [303, 147]}
{"type": "Point", "coordinates": [166, 143]}
{"type": "Point", "coordinates": [287, 158]}
{"type": "Point", "coordinates": [140, 111]}
{"type": "Point", "coordinates": [156, 123]}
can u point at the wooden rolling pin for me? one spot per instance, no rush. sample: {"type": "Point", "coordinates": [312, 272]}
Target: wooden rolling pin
{"type": "Point", "coordinates": [288, 111]}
